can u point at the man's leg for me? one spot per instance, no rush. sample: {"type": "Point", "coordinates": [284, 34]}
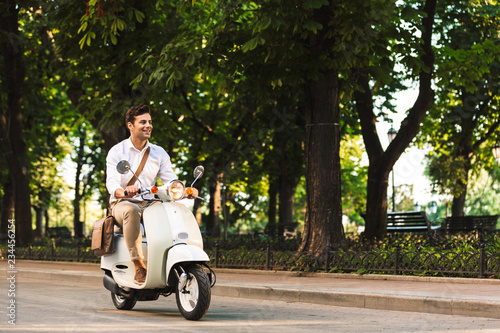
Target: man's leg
{"type": "Point", "coordinates": [128, 216]}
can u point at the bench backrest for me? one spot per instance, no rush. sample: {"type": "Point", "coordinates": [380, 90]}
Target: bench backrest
{"type": "Point", "coordinates": [59, 232]}
{"type": "Point", "coordinates": [407, 221]}
{"type": "Point", "coordinates": [471, 222]}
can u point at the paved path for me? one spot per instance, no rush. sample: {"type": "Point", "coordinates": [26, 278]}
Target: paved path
{"type": "Point", "coordinates": [450, 296]}
{"type": "Point", "coordinates": [63, 306]}
{"type": "Point", "coordinates": [45, 305]}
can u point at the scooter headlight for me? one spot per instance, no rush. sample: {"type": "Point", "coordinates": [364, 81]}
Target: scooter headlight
{"type": "Point", "coordinates": [176, 190]}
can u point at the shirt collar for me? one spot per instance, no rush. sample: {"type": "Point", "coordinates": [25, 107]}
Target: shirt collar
{"type": "Point", "coordinates": [130, 145]}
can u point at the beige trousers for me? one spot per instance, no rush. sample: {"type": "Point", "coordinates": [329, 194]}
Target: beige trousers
{"type": "Point", "coordinates": [128, 216]}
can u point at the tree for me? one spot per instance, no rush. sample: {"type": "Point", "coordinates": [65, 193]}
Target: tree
{"type": "Point", "coordinates": [196, 107]}
{"type": "Point", "coordinates": [7, 203]}
{"type": "Point", "coordinates": [266, 50]}
{"type": "Point", "coordinates": [483, 198]}
{"type": "Point", "coordinates": [267, 43]}
{"type": "Point", "coordinates": [11, 117]}
{"type": "Point", "coordinates": [381, 162]}
{"type": "Point", "coordinates": [464, 123]}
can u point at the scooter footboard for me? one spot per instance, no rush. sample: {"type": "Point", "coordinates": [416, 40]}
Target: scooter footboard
{"type": "Point", "coordinates": [184, 253]}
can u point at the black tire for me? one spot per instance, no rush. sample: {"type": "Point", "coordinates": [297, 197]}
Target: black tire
{"type": "Point", "coordinates": [194, 300]}
{"type": "Point", "coordinates": [123, 303]}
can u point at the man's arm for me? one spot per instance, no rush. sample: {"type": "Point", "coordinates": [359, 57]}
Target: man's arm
{"type": "Point", "coordinates": [113, 178]}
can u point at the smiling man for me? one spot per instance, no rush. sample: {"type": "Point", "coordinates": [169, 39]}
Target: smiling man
{"type": "Point", "coordinates": [127, 210]}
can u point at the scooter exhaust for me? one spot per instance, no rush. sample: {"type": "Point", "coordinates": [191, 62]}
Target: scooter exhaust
{"type": "Point", "coordinates": [110, 284]}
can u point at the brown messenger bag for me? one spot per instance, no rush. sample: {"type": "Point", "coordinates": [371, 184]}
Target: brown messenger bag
{"type": "Point", "coordinates": [102, 236]}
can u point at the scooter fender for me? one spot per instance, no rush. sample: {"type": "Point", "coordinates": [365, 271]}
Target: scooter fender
{"type": "Point", "coordinates": [184, 253]}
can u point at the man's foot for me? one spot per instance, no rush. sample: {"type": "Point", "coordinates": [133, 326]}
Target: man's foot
{"type": "Point", "coordinates": [140, 276]}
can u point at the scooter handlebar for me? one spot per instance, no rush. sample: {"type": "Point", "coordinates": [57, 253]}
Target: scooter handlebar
{"type": "Point", "coordinates": [139, 192]}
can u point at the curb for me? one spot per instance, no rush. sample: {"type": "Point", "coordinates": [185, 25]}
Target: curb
{"type": "Point", "coordinates": [355, 276]}
{"type": "Point", "coordinates": [408, 302]}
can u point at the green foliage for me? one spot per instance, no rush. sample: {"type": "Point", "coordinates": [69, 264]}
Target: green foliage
{"type": "Point", "coordinates": [448, 173]}
{"type": "Point", "coordinates": [220, 74]}
{"type": "Point", "coordinates": [463, 125]}
{"type": "Point", "coordinates": [354, 178]}
{"type": "Point", "coordinates": [484, 194]}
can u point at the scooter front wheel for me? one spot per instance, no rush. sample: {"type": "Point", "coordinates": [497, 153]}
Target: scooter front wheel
{"type": "Point", "coordinates": [193, 299]}
{"type": "Point", "coordinates": [123, 303]}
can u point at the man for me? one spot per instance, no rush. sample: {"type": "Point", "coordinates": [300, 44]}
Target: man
{"type": "Point", "coordinates": [127, 211]}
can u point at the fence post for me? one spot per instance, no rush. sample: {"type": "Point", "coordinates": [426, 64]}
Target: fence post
{"type": "Point", "coordinates": [327, 256]}
{"type": "Point", "coordinates": [78, 254]}
{"type": "Point", "coordinates": [52, 249]}
{"type": "Point", "coordinates": [216, 255]}
{"type": "Point", "coordinates": [268, 256]}
{"type": "Point", "coordinates": [396, 260]}
{"type": "Point", "coordinates": [482, 261]}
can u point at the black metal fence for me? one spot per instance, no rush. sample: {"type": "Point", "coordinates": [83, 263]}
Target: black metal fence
{"type": "Point", "coordinates": [79, 254]}
{"type": "Point", "coordinates": [467, 264]}
{"type": "Point", "coordinates": [471, 264]}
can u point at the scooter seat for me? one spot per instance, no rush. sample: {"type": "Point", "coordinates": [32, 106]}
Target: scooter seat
{"type": "Point", "coordinates": [119, 230]}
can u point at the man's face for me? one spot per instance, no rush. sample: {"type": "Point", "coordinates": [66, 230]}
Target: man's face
{"type": "Point", "coordinates": [142, 127]}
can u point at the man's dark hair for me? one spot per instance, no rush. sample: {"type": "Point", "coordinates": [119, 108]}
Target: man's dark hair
{"type": "Point", "coordinates": [135, 111]}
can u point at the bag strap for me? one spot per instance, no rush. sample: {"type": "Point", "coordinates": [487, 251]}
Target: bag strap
{"type": "Point", "coordinates": [139, 169]}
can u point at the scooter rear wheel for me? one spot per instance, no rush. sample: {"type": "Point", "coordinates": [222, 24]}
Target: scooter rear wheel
{"type": "Point", "coordinates": [123, 303]}
{"type": "Point", "coordinates": [194, 299]}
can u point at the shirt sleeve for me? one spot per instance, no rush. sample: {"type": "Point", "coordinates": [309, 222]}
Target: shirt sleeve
{"type": "Point", "coordinates": [113, 177]}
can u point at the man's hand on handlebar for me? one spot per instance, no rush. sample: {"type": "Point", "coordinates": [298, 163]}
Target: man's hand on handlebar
{"type": "Point", "coordinates": [191, 192]}
{"type": "Point", "coordinates": [129, 192]}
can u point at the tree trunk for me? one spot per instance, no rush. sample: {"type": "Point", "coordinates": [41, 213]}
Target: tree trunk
{"type": "Point", "coordinates": [377, 197]}
{"type": "Point", "coordinates": [7, 208]}
{"type": "Point", "coordinates": [464, 151]}
{"type": "Point", "coordinates": [47, 220]}
{"type": "Point", "coordinates": [40, 212]}
{"type": "Point", "coordinates": [271, 211]}
{"type": "Point", "coordinates": [11, 120]}
{"type": "Point", "coordinates": [323, 222]}
{"type": "Point", "coordinates": [213, 222]}
{"type": "Point", "coordinates": [458, 203]}
{"type": "Point", "coordinates": [290, 152]}
{"type": "Point", "coordinates": [286, 202]}
{"type": "Point", "coordinates": [39, 217]}
{"type": "Point", "coordinates": [77, 223]}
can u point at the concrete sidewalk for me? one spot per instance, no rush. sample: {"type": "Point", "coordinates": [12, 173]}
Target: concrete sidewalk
{"type": "Point", "coordinates": [452, 296]}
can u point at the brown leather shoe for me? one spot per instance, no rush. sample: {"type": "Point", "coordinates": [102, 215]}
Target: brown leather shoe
{"type": "Point", "coordinates": [140, 276]}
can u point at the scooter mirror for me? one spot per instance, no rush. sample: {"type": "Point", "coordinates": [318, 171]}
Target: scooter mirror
{"type": "Point", "coordinates": [123, 167]}
{"type": "Point", "coordinates": [198, 171]}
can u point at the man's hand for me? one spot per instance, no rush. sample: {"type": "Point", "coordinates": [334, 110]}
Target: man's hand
{"type": "Point", "coordinates": [191, 192]}
{"type": "Point", "coordinates": [130, 190]}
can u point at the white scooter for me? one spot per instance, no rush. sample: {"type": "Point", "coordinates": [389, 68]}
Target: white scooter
{"type": "Point", "coordinates": [173, 253]}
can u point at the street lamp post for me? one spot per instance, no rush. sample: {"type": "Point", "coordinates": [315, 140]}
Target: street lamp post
{"type": "Point", "coordinates": [85, 182]}
{"type": "Point", "coordinates": [433, 207]}
{"type": "Point", "coordinates": [391, 135]}
{"type": "Point", "coordinates": [433, 211]}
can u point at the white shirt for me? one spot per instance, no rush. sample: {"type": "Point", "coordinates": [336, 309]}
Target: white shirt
{"type": "Point", "coordinates": [157, 164]}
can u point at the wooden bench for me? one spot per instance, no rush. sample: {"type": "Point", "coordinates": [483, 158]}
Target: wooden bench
{"type": "Point", "coordinates": [481, 223]}
{"type": "Point", "coordinates": [408, 222]}
{"type": "Point", "coordinates": [58, 232]}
